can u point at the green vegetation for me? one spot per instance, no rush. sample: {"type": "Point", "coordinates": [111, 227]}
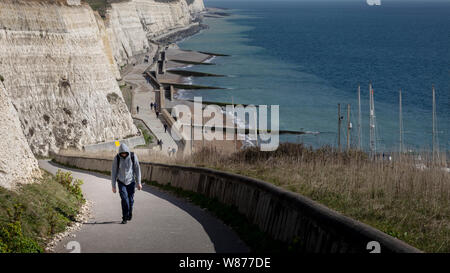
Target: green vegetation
{"type": "Point", "coordinates": [99, 5]}
{"type": "Point", "coordinates": [2, 79]}
{"type": "Point", "coordinates": [397, 198]}
{"type": "Point", "coordinates": [30, 215]}
{"type": "Point", "coordinates": [147, 136]}
{"type": "Point", "coordinates": [102, 5]}
{"type": "Point", "coordinates": [70, 184]}
{"type": "Point", "coordinates": [257, 240]}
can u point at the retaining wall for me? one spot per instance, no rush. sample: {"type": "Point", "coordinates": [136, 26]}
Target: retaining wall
{"type": "Point", "coordinates": [282, 214]}
{"type": "Point", "coordinates": [111, 146]}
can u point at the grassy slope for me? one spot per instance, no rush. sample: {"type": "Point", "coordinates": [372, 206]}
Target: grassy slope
{"type": "Point", "coordinates": [396, 198]}
{"type": "Point", "coordinates": [48, 207]}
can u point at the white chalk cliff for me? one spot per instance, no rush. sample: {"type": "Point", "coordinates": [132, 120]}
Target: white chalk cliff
{"type": "Point", "coordinates": [59, 61]}
{"type": "Point", "coordinates": [130, 24]}
{"type": "Point", "coordinates": [58, 76]}
{"type": "Point", "coordinates": [17, 162]}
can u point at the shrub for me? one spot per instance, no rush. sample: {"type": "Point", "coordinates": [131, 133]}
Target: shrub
{"type": "Point", "coordinates": [71, 184]}
{"type": "Point", "coordinates": [148, 138]}
{"type": "Point", "coordinates": [12, 239]}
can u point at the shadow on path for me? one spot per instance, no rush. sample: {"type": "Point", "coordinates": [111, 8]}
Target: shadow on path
{"type": "Point", "coordinates": [216, 229]}
{"type": "Point", "coordinates": [223, 237]}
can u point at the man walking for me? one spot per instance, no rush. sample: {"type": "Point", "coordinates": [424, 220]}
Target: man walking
{"type": "Point", "coordinates": [127, 172]}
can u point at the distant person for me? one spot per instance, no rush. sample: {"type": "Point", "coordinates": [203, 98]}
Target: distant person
{"type": "Point", "coordinates": [151, 106]}
{"type": "Point", "coordinates": [126, 171]}
{"type": "Point", "coordinates": [137, 109]}
{"type": "Point", "coordinates": [157, 114]}
{"type": "Point", "coordinates": [160, 144]}
{"type": "Point", "coordinates": [155, 105]}
{"type": "Point", "coordinates": [165, 128]}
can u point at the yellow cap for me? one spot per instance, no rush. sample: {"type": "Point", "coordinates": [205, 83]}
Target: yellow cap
{"type": "Point", "coordinates": [117, 143]}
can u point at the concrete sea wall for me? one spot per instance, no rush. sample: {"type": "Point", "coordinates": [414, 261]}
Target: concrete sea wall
{"type": "Point", "coordinates": [282, 214]}
{"type": "Point", "coordinates": [111, 146]}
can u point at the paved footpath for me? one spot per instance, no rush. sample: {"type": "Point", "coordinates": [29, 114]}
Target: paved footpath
{"type": "Point", "coordinates": [161, 222]}
{"type": "Point", "coordinates": [143, 95]}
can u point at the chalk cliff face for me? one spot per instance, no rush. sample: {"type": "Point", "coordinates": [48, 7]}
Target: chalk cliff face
{"type": "Point", "coordinates": [59, 60]}
{"type": "Point", "coordinates": [127, 36]}
{"type": "Point", "coordinates": [196, 6]}
{"type": "Point", "coordinates": [131, 24]}
{"type": "Point", "coordinates": [17, 162]}
{"type": "Point", "coordinates": [57, 73]}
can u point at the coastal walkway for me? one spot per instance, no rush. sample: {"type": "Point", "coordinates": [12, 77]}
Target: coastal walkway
{"type": "Point", "coordinates": [161, 222]}
{"type": "Point", "coordinates": [143, 95]}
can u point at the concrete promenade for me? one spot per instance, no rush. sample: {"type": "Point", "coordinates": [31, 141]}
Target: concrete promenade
{"type": "Point", "coordinates": [143, 95]}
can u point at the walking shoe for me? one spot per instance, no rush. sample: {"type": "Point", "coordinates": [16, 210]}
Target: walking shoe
{"type": "Point", "coordinates": [129, 217]}
{"type": "Point", "coordinates": [124, 222]}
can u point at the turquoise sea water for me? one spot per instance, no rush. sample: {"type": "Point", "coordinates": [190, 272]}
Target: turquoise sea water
{"type": "Point", "coordinates": [309, 56]}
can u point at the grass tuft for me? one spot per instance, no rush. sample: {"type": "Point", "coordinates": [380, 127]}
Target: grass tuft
{"type": "Point", "coordinates": [397, 197]}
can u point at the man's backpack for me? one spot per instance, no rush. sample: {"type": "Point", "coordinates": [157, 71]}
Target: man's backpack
{"type": "Point", "coordinates": [118, 161]}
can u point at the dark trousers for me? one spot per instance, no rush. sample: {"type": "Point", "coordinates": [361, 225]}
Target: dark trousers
{"type": "Point", "coordinates": [127, 196]}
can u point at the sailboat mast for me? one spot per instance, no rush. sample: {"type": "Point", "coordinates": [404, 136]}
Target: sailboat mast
{"type": "Point", "coordinates": [349, 127]}
{"type": "Point", "coordinates": [359, 119]}
{"type": "Point", "coordinates": [400, 120]}
{"type": "Point", "coordinates": [435, 137]}
{"type": "Point", "coordinates": [373, 146]}
{"type": "Point", "coordinates": [339, 127]}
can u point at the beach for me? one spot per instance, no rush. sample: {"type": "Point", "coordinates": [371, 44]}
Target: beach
{"type": "Point", "coordinates": [174, 53]}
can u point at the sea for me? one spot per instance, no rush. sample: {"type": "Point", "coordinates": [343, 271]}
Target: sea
{"type": "Point", "coordinates": [309, 56]}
